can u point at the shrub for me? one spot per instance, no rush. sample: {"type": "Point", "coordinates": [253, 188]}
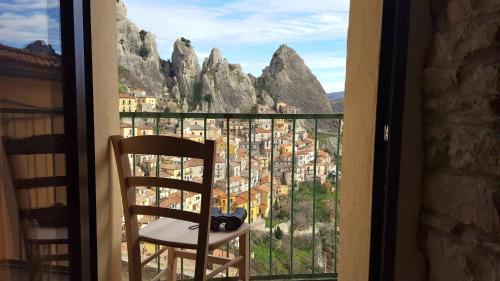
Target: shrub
{"type": "Point", "coordinates": [143, 52]}
{"type": "Point", "coordinates": [142, 34]}
{"type": "Point", "coordinates": [186, 41]}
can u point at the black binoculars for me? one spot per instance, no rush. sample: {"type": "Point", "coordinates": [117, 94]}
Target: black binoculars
{"type": "Point", "coordinates": [230, 221]}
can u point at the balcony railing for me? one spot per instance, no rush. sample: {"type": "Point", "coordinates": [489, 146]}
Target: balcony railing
{"type": "Point", "coordinates": [283, 168]}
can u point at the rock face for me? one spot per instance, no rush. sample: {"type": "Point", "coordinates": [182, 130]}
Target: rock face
{"type": "Point", "coordinates": [288, 79]}
{"type": "Point", "coordinates": [460, 218]}
{"type": "Point", "coordinates": [39, 47]}
{"type": "Point", "coordinates": [186, 69]}
{"type": "Point", "coordinates": [225, 87]}
{"type": "Point", "coordinates": [137, 52]}
{"type": "Point", "coordinates": [219, 86]}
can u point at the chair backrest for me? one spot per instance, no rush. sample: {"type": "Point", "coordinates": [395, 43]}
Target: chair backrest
{"type": "Point", "coordinates": [37, 145]}
{"type": "Point", "coordinates": [166, 146]}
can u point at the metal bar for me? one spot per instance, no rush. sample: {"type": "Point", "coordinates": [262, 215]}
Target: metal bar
{"type": "Point", "coordinates": [293, 197]}
{"type": "Point", "coordinates": [337, 156]}
{"type": "Point", "coordinates": [227, 181]}
{"type": "Point", "coordinates": [231, 115]}
{"type": "Point", "coordinates": [271, 203]}
{"type": "Point", "coordinates": [182, 192]}
{"type": "Point", "coordinates": [205, 129]}
{"type": "Point", "coordinates": [157, 191]}
{"type": "Point", "coordinates": [314, 195]}
{"type": "Point", "coordinates": [133, 155]}
{"type": "Point", "coordinates": [249, 169]}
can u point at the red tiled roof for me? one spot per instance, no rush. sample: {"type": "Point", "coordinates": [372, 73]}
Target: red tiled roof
{"type": "Point", "coordinates": [21, 60]}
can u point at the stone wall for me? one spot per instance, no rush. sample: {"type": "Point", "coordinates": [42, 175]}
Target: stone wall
{"type": "Point", "coordinates": [459, 230]}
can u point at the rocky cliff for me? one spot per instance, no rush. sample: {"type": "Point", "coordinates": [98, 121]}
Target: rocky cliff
{"type": "Point", "coordinates": [225, 87]}
{"type": "Point", "coordinates": [288, 79]}
{"type": "Point", "coordinates": [218, 86]}
{"type": "Point", "coordinates": [186, 69]}
{"type": "Point", "coordinates": [137, 52]}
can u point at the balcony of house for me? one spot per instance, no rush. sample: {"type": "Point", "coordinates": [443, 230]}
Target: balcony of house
{"type": "Point", "coordinates": [283, 169]}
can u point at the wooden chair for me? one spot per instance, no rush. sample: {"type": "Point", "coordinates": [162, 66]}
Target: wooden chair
{"type": "Point", "coordinates": [35, 234]}
{"type": "Point", "coordinates": [174, 230]}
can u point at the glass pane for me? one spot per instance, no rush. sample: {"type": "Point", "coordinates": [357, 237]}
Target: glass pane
{"type": "Point", "coordinates": [33, 215]}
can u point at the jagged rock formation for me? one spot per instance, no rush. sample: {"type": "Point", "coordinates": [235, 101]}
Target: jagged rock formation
{"type": "Point", "coordinates": [39, 47]}
{"type": "Point", "coordinates": [186, 68]}
{"type": "Point", "coordinates": [288, 79]}
{"type": "Point", "coordinates": [219, 86]}
{"type": "Point", "coordinates": [138, 54]}
{"type": "Point", "coordinates": [225, 87]}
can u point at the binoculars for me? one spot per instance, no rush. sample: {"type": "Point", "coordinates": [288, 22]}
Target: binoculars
{"type": "Point", "coordinates": [230, 221]}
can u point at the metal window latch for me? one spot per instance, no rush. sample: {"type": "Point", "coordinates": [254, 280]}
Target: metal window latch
{"type": "Point", "coordinates": [386, 132]}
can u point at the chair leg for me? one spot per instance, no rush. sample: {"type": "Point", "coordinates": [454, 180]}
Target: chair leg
{"type": "Point", "coordinates": [244, 266]}
{"type": "Point", "coordinates": [171, 265]}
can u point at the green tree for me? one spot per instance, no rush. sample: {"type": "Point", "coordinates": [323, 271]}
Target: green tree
{"type": "Point", "coordinates": [143, 52]}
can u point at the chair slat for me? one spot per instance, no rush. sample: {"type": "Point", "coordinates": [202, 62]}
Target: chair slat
{"type": "Point", "coordinates": [163, 145]}
{"type": "Point", "coordinates": [164, 212]}
{"type": "Point", "coordinates": [44, 144]}
{"type": "Point", "coordinates": [54, 211]}
{"type": "Point", "coordinates": [40, 182]}
{"type": "Point", "coordinates": [165, 182]}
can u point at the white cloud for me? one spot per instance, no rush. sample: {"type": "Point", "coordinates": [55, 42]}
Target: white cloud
{"type": "Point", "coordinates": [26, 5]}
{"type": "Point", "coordinates": [324, 61]}
{"type": "Point", "coordinates": [26, 28]}
{"type": "Point", "coordinates": [244, 22]}
{"type": "Point", "coordinates": [333, 86]}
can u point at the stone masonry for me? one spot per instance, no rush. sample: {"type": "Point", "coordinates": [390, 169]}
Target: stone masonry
{"type": "Point", "coordinates": [459, 232]}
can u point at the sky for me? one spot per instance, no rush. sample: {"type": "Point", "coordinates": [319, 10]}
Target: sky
{"type": "Point", "coordinates": [23, 21]}
{"type": "Point", "coordinates": [246, 31]}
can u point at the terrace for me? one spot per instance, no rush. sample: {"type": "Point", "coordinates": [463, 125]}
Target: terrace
{"type": "Point", "coordinates": [293, 217]}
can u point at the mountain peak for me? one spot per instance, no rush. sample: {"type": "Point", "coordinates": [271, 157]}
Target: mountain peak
{"type": "Point", "coordinates": [215, 57]}
{"type": "Point", "coordinates": [288, 79]}
{"type": "Point", "coordinates": [39, 47]}
{"type": "Point", "coordinates": [186, 67]}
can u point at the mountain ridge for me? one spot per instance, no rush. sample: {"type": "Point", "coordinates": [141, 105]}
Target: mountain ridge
{"type": "Point", "coordinates": [217, 86]}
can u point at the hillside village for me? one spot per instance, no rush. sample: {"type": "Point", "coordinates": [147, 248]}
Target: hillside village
{"type": "Point", "coordinates": [247, 167]}
{"type": "Point", "coordinates": [239, 164]}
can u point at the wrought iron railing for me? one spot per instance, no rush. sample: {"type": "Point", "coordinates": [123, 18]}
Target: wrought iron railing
{"type": "Point", "coordinates": [295, 234]}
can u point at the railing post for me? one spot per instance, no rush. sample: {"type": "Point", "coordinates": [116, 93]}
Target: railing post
{"type": "Point", "coordinates": [182, 192]}
{"type": "Point", "coordinates": [337, 157]}
{"type": "Point", "coordinates": [314, 196]}
{"type": "Point", "coordinates": [294, 120]}
{"type": "Point", "coordinates": [227, 181]}
{"type": "Point", "coordinates": [271, 203]}
{"type": "Point", "coordinates": [157, 203]}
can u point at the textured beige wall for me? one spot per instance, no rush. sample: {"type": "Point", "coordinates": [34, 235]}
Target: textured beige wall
{"type": "Point", "coordinates": [106, 123]}
{"type": "Point", "coordinates": [360, 109]}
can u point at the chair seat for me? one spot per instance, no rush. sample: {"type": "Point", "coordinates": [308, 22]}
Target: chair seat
{"type": "Point", "coordinates": [47, 234]}
{"type": "Point", "coordinates": [176, 233]}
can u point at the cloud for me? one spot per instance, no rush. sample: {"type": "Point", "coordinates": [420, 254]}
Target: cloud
{"type": "Point", "coordinates": [243, 22]}
{"type": "Point", "coordinates": [333, 86]}
{"type": "Point", "coordinates": [22, 29]}
{"type": "Point", "coordinates": [324, 61]}
{"type": "Point", "coordinates": [27, 5]}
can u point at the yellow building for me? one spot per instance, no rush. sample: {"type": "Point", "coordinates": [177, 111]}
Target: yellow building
{"type": "Point", "coordinates": [241, 201]}
{"type": "Point", "coordinates": [127, 103]}
{"type": "Point", "coordinates": [147, 103]}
